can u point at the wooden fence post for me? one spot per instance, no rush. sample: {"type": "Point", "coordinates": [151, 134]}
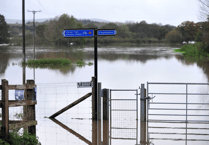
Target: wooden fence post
{"type": "Point", "coordinates": [31, 108]}
{"type": "Point", "coordinates": [5, 110]}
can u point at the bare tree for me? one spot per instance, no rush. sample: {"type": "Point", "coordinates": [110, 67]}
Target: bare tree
{"type": "Point", "coordinates": [204, 9]}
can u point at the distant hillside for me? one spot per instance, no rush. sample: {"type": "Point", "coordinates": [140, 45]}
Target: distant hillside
{"type": "Point", "coordinates": [15, 21]}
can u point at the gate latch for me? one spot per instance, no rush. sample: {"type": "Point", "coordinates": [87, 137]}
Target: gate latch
{"type": "Point", "coordinates": [148, 98]}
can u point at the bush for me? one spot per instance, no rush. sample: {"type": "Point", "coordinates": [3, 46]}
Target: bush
{"type": "Point", "coordinates": [18, 139]}
{"type": "Point", "coordinates": [195, 51]}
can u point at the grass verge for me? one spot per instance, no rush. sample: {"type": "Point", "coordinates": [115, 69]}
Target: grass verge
{"type": "Point", "coordinates": [194, 52]}
{"type": "Point", "coordinates": [54, 62]}
{"type": "Point", "coordinates": [179, 51]}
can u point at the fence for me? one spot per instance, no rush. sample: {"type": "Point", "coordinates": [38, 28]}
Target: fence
{"type": "Point", "coordinates": [29, 103]}
{"type": "Point", "coordinates": [53, 97]}
{"type": "Point", "coordinates": [78, 116]}
{"type": "Point", "coordinates": [177, 115]}
{"type": "Point", "coordinates": [124, 115]}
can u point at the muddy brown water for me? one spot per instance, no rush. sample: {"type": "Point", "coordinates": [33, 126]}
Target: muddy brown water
{"type": "Point", "coordinates": [118, 68]}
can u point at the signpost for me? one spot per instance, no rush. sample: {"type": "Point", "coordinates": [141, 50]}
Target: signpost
{"type": "Point", "coordinates": [84, 84]}
{"type": "Point", "coordinates": [106, 32]}
{"type": "Point", "coordinates": [90, 32]}
{"type": "Point", "coordinates": [78, 33]}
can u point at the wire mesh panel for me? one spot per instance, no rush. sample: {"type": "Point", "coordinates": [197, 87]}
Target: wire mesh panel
{"type": "Point", "coordinates": [124, 114]}
{"type": "Point", "coordinates": [77, 120]}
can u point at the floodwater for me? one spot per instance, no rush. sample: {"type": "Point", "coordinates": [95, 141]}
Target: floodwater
{"type": "Point", "coordinates": [118, 68]}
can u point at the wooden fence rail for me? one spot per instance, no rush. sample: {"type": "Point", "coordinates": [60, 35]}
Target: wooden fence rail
{"type": "Point", "coordinates": [29, 121]}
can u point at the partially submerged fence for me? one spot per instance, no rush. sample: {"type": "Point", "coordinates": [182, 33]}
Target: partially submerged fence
{"type": "Point", "coordinates": [157, 115]}
{"type": "Point", "coordinates": [83, 101]}
{"type": "Point", "coordinates": [29, 119]}
{"type": "Point", "coordinates": [124, 114]}
{"type": "Point", "coordinates": [177, 115]}
{"type": "Point", "coordinates": [172, 112]}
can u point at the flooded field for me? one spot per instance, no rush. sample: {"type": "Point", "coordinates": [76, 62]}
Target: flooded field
{"type": "Point", "coordinates": [118, 68]}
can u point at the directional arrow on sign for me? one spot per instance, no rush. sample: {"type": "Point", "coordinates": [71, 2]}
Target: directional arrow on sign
{"type": "Point", "coordinates": [106, 32]}
{"type": "Point", "coordinates": [63, 33]}
{"type": "Point", "coordinates": [78, 33]}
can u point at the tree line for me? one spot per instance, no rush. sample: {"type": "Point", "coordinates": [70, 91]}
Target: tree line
{"type": "Point", "coordinates": [129, 32]}
{"type": "Point", "coordinates": [50, 32]}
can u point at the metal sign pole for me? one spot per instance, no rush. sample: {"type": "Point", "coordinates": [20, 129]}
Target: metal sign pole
{"type": "Point", "coordinates": [95, 69]}
{"type": "Point", "coordinates": [23, 38]}
{"type": "Point", "coordinates": [90, 32]}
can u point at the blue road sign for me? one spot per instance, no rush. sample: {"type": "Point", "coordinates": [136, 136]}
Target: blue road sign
{"type": "Point", "coordinates": [106, 32]}
{"type": "Point", "coordinates": [78, 33]}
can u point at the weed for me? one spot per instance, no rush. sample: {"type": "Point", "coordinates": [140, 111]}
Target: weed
{"type": "Point", "coordinates": [54, 63]}
{"type": "Point", "coordinates": [90, 63]}
{"type": "Point", "coordinates": [179, 51]}
{"type": "Point", "coordinates": [18, 139]}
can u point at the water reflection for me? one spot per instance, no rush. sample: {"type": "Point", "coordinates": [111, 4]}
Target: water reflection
{"type": "Point", "coordinates": [4, 62]}
{"type": "Point", "coordinates": [96, 132]}
{"type": "Point", "coordinates": [164, 133]}
{"type": "Point", "coordinates": [202, 64]}
{"type": "Point", "coordinates": [119, 67]}
{"type": "Point", "coordinates": [72, 131]}
{"type": "Point", "coordinates": [142, 55]}
{"type": "Point", "coordinates": [185, 133]}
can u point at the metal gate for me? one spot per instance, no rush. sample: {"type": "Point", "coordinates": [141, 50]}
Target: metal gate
{"type": "Point", "coordinates": [179, 112]}
{"type": "Point", "coordinates": [124, 114]}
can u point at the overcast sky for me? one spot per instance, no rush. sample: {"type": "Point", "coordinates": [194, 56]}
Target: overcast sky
{"type": "Point", "coordinates": [172, 12]}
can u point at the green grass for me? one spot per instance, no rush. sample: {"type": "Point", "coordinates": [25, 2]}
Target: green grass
{"type": "Point", "coordinates": [179, 51]}
{"type": "Point", "coordinates": [80, 63]}
{"type": "Point", "coordinates": [54, 63]}
{"type": "Point", "coordinates": [194, 52]}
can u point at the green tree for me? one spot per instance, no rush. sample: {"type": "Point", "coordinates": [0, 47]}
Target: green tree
{"type": "Point", "coordinates": [144, 30]}
{"type": "Point", "coordinates": [110, 26]}
{"type": "Point", "coordinates": [3, 30]}
{"type": "Point", "coordinates": [162, 33]}
{"type": "Point", "coordinates": [188, 30]}
{"type": "Point", "coordinates": [123, 31]}
{"type": "Point", "coordinates": [53, 31]}
{"type": "Point", "coordinates": [91, 25]}
{"type": "Point", "coordinates": [40, 30]}
{"type": "Point", "coordinates": [204, 13]}
{"type": "Point", "coordinates": [199, 36]}
{"type": "Point", "coordinates": [174, 36]}
{"type": "Point", "coordinates": [205, 35]}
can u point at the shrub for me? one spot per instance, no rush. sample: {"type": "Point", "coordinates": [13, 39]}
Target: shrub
{"type": "Point", "coordinates": [18, 139]}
